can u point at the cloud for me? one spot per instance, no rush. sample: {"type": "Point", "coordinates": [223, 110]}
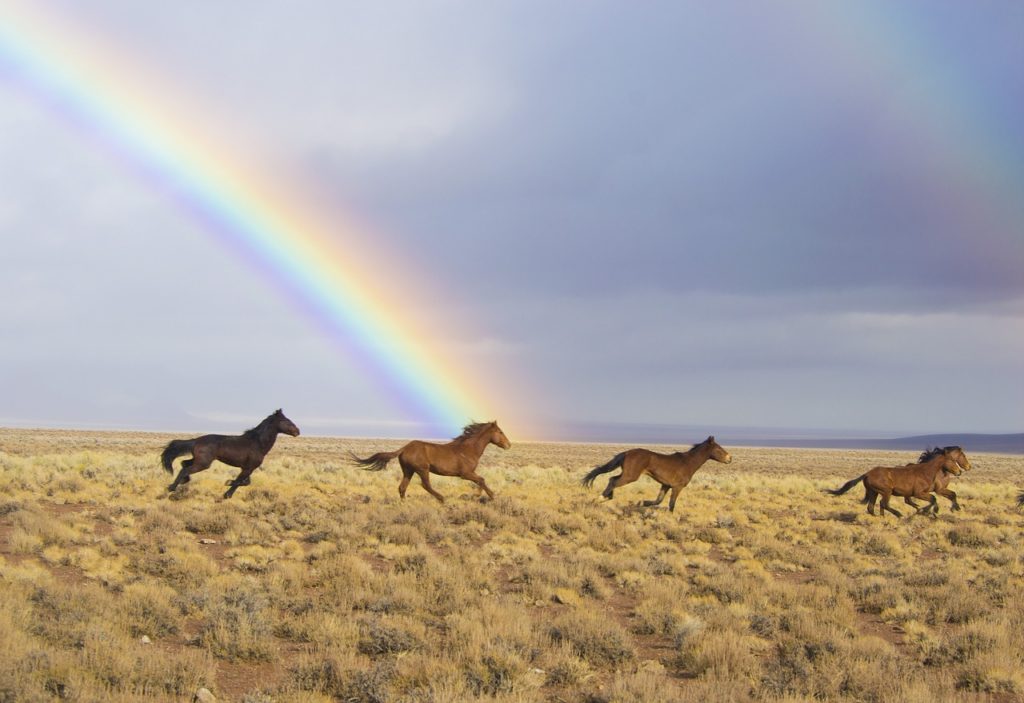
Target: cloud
{"type": "Point", "coordinates": [667, 213]}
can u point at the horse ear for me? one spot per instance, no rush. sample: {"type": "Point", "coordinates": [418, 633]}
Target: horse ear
{"type": "Point", "coordinates": [711, 438]}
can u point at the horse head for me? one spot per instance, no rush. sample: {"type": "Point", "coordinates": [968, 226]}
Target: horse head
{"type": "Point", "coordinates": [960, 457]}
{"type": "Point", "coordinates": [718, 453]}
{"type": "Point", "coordinates": [497, 437]}
{"type": "Point", "coordinates": [283, 424]}
{"type": "Point", "coordinates": [949, 460]}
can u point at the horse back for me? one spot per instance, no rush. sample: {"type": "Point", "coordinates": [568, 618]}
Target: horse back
{"type": "Point", "coordinates": [430, 455]}
{"type": "Point", "coordinates": [233, 450]}
{"type": "Point", "coordinates": [900, 480]}
{"type": "Point", "coordinates": [666, 468]}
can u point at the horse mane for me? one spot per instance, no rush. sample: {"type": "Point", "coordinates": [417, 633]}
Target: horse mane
{"type": "Point", "coordinates": [694, 446]}
{"type": "Point", "coordinates": [473, 428]}
{"type": "Point", "coordinates": [261, 428]}
{"type": "Point", "coordinates": [928, 454]}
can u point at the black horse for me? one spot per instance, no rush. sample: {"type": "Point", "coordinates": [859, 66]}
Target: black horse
{"type": "Point", "coordinates": [246, 451]}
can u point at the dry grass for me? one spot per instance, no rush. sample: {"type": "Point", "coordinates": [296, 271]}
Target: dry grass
{"type": "Point", "coordinates": [321, 585]}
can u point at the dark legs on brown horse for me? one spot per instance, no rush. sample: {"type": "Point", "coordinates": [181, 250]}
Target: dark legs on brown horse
{"type": "Point", "coordinates": [872, 496]}
{"type": "Point", "coordinates": [616, 481]}
{"type": "Point", "coordinates": [407, 474]}
{"type": "Point", "coordinates": [951, 496]}
{"type": "Point", "coordinates": [661, 496]}
{"type": "Point", "coordinates": [609, 490]}
{"type": "Point", "coordinates": [931, 508]}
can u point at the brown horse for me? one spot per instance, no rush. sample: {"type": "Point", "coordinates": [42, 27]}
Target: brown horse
{"type": "Point", "coordinates": [245, 451]}
{"type": "Point", "coordinates": [670, 470]}
{"type": "Point", "coordinates": [943, 478]}
{"type": "Point", "coordinates": [910, 481]}
{"type": "Point", "coordinates": [456, 458]}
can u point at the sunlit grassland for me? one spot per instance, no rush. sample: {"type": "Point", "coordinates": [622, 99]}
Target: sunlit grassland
{"type": "Point", "coordinates": [316, 583]}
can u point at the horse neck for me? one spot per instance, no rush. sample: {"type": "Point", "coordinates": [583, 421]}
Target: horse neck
{"type": "Point", "coordinates": [700, 453]}
{"type": "Point", "coordinates": [475, 445]}
{"type": "Point", "coordinates": [266, 435]}
{"type": "Point", "coordinates": [935, 466]}
{"type": "Point", "coordinates": [697, 456]}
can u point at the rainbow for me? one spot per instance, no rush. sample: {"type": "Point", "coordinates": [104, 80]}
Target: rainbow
{"type": "Point", "coordinates": [262, 221]}
{"type": "Point", "coordinates": [882, 53]}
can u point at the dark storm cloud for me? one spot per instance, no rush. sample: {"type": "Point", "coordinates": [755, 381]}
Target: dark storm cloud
{"type": "Point", "coordinates": [671, 212]}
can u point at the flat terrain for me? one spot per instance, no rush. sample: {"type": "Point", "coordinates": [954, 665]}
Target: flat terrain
{"type": "Point", "coordinates": [316, 583]}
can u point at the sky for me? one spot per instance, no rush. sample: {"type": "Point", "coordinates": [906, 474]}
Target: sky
{"type": "Point", "coordinates": [776, 217]}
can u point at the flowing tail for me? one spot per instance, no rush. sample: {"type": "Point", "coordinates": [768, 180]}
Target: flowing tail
{"type": "Point", "coordinates": [1020, 500]}
{"type": "Point", "coordinates": [615, 463]}
{"type": "Point", "coordinates": [846, 486]}
{"type": "Point", "coordinates": [377, 462]}
{"type": "Point", "coordinates": [173, 450]}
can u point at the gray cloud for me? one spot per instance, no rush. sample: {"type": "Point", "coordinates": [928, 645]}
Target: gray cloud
{"type": "Point", "coordinates": [674, 213]}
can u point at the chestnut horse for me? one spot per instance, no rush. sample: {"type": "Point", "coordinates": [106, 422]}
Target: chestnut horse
{"type": "Point", "coordinates": [458, 457]}
{"type": "Point", "coordinates": [670, 470]}
{"type": "Point", "coordinates": [910, 481]}
{"type": "Point", "coordinates": [245, 451]}
{"type": "Point", "coordinates": [943, 478]}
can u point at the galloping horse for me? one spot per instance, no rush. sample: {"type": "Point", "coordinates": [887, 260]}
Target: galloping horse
{"type": "Point", "coordinates": [910, 481]}
{"type": "Point", "coordinates": [943, 478]}
{"type": "Point", "coordinates": [670, 470]}
{"type": "Point", "coordinates": [245, 451]}
{"type": "Point", "coordinates": [456, 458]}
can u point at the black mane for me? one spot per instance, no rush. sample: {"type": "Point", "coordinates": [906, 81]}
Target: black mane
{"type": "Point", "coordinates": [934, 452]}
{"type": "Point", "coordinates": [261, 429]}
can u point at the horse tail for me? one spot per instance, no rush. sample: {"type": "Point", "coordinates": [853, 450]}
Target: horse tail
{"type": "Point", "coordinates": [846, 486]}
{"type": "Point", "coordinates": [1020, 500]}
{"type": "Point", "coordinates": [615, 463]}
{"type": "Point", "coordinates": [174, 449]}
{"type": "Point", "coordinates": [376, 462]}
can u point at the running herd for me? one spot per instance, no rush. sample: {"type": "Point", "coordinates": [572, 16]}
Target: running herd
{"type": "Point", "coordinates": [459, 457]}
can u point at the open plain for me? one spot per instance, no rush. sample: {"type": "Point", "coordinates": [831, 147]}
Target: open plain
{"type": "Point", "coordinates": [316, 583]}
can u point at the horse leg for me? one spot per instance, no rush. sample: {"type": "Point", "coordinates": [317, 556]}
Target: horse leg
{"type": "Point", "coordinates": [480, 483]}
{"type": "Point", "coordinates": [672, 499]}
{"type": "Point", "coordinates": [425, 480]}
{"type": "Point", "coordinates": [617, 481]}
{"type": "Point", "coordinates": [870, 498]}
{"type": "Point", "coordinates": [951, 496]}
{"type": "Point", "coordinates": [242, 480]}
{"type": "Point", "coordinates": [407, 474]}
{"type": "Point", "coordinates": [188, 467]}
{"type": "Point", "coordinates": [661, 496]}
{"type": "Point", "coordinates": [885, 505]}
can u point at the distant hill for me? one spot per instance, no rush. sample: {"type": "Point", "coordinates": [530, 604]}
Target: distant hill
{"type": "Point", "coordinates": [972, 442]}
{"type": "Point", "coordinates": [684, 435]}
